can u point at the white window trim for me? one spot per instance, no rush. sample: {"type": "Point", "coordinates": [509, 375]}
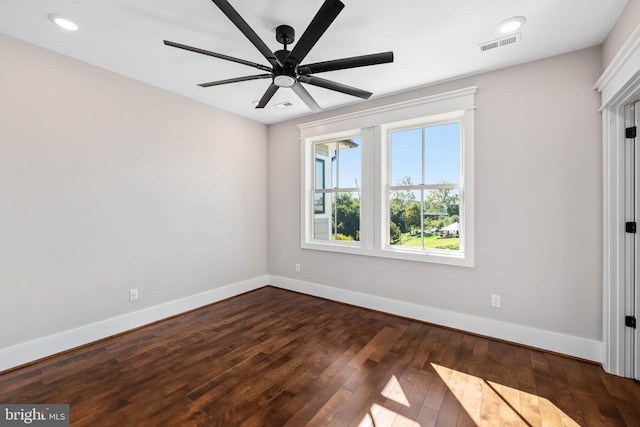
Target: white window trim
{"type": "Point", "coordinates": [370, 125]}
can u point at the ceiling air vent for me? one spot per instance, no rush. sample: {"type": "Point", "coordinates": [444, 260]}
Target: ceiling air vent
{"type": "Point", "coordinates": [284, 104]}
{"type": "Point", "coordinates": [504, 41]}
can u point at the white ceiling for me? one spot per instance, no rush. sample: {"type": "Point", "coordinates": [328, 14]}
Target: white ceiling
{"type": "Point", "coordinates": [432, 41]}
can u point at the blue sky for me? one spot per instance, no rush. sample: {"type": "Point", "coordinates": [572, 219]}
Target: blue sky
{"type": "Point", "coordinates": [442, 154]}
{"type": "Point", "coordinates": [350, 166]}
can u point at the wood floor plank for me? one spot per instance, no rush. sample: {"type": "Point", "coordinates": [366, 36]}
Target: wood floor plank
{"type": "Point", "coordinates": [319, 400]}
{"type": "Point", "coordinates": [370, 391]}
{"type": "Point", "coordinates": [274, 358]}
{"type": "Point", "coordinates": [448, 413]}
{"type": "Point", "coordinates": [417, 395]}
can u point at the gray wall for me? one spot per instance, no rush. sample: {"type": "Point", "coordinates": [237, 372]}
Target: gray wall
{"type": "Point", "coordinates": [538, 203]}
{"type": "Point", "coordinates": [625, 26]}
{"type": "Point", "coordinates": [108, 184]}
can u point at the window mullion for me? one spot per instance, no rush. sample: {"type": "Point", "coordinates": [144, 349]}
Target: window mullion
{"type": "Point", "coordinates": [422, 219]}
{"type": "Point", "coordinates": [423, 182]}
{"type": "Point", "coordinates": [337, 183]}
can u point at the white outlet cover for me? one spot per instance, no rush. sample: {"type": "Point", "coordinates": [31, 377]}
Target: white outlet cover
{"type": "Point", "coordinates": [495, 300]}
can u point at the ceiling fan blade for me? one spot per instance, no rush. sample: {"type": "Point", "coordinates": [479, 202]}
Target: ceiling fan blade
{"type": "Point", "coordinates": [343, 64]}
{"type": "Point", "coordinates": [325, 16]}
{"type": "Point", "coordinates": [271, 90]}
{"type": "Point", "coordinates": [339, 87]}
{"type": "Point", "coordinates": [248, 32]}
{"type": "Point", "coordinates": [217, 55]}
{"type": "Point", "coordinates": [236, 80]}
{"type": "Point", "coordinates": [306, 97]}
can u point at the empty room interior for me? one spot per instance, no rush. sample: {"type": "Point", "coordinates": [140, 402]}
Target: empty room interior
{"type": "Point", "coordinates": [320, 213]}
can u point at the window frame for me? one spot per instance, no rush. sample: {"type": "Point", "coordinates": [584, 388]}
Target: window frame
{"type": "Point", "coordinates": [372, 126]}
{"type": "Point", "coordinates": [422, 123]}
{"type": "Point", "coordinates": [309, 192]}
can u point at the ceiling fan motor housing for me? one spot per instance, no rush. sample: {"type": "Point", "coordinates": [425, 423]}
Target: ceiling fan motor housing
{"type": "Point", "coordinates": [284, 75]}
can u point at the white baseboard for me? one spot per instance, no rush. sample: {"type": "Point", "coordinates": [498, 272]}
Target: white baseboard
{"type": "Point", "coordinates": [37, 349]}
{"type": "Point", "coordinates": [538, 338]}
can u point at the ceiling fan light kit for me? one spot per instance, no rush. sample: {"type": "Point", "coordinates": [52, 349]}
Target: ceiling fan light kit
{"type": "Point", "coordinates": [284, 81]}
{"type": "Point", "coordinates": [285, 68]}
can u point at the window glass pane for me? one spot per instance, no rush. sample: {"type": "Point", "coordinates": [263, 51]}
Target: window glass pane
{"type": "Point", "coordinates": [322, 217]}
{"type": "Point", "coordinates": [323, 155]}
{"type": "Point", "coordinates": [436, 226]}
{"type": "Point", "coordinates": [320, 174]}
{"type": "Point", "coordinates": [442, 154]}
{"type": "Point", "coordinates": [406, 157]}
{"type": "Point", "coordinates": [319, 203]}
{"type": "Point", "coordinates": [347, 216]}
{"type": "Point", "coordinates": [349, 161]}
{"type": "Point", "coordinates": [404, 216]}
{"type": "Point", "coordinates": [442, 219]}
{"type": "Point", "coordinates": [341, 218]}
{"type": "Point", "coordinates": [333, 158]}
{"type": "Point", "coordinates": [344, 160]}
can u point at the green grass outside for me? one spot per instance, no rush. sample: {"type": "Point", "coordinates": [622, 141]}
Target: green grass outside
{"type": "Point", "coordinates": [431, 241]}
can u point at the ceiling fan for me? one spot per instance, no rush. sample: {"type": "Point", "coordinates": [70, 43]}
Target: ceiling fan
{"type": "Point", "coordinates": [286, 70]}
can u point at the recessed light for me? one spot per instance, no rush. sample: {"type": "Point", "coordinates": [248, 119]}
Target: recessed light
{"type": "Point", "coordinates": [63, 22]}
{"type": "Point", "coordinates": [511, 24]}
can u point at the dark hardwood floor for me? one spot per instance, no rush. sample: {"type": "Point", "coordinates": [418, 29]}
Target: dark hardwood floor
{"type": "Point", "coordinates": [277, 358]}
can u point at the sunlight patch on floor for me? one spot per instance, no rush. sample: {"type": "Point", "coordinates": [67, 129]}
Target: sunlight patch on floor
{"type": "Point", "coordinates": [380, 416]}
{"type": "Point", "coordinates": [393, 391]}
{"type": "Point", "coordinates": [490, 404]}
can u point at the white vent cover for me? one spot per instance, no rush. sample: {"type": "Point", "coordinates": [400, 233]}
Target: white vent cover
{"type": "Point", "coordinates": [284, 104]}
{"type": "Point", "coordinates": [504, 41]}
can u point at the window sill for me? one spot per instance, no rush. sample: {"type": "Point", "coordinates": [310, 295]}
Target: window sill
{"type": "Point", "coordinates": [459, 259]}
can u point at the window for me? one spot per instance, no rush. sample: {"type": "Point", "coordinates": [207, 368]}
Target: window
{"type": "Point", "coordinates": [424, 186]}
{"type": "Point", "coordinates": [336, 193]}
{"type": "Point", "coordinates": [394, 182]}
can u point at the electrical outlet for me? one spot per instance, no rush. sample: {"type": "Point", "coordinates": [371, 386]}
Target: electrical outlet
{"type": "Point", "coordinates": [133, 294]}
{"type": "Point", "coordinates": [297, 268]}
{"type": "Point", "coordinates": [495, 301]}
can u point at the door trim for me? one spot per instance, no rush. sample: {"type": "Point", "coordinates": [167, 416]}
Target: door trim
{"type": "Point", "coordinates": [619, 85]}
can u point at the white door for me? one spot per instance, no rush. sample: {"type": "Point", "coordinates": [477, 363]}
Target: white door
{"type": "Point", "coordinates": [632, 246]}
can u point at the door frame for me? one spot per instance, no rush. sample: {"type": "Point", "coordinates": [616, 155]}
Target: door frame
{"type": "Point", "coordinates": [619, 86]}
